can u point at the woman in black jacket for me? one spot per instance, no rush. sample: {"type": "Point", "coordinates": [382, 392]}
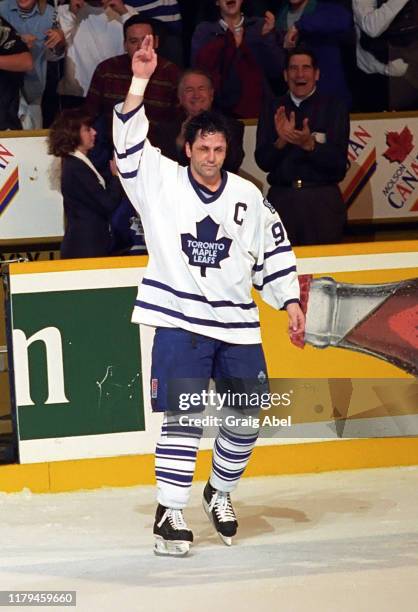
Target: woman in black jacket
{"type": "Point", "coordinates": [88, 201]}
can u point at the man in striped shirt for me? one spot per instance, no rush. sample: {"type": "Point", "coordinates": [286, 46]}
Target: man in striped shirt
{"type": "Point", "coordinates": [166, 11]}
{"type": "Point", "coordinates": [111, 79]}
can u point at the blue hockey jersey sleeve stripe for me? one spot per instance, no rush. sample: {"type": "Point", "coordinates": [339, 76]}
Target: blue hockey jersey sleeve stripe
{"type": "Point", "coordinates": [293, 301]}
{"type": "Point", "coordinates": [124, 117]}
{"type": "Point", "coordinates": [284, 249]}
{"type": "Point", "coordinates": [196, 320]}
{"type": "Point", "coordinates": [195, 297]}
{"type": "Point", "coordinates": [272, 277]}
{"type": "Point", "coordinates": [128, 175]}
{"type": "Point", "coordinates": [130, 151]}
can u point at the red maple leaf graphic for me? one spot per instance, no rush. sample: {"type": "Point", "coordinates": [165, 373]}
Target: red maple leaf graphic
{"type": "Point", "coordinates": [400, 145]}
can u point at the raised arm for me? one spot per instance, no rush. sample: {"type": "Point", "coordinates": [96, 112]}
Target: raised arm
{"type": "Point", "coordinates": [144, 62]}
{"type": "Point", "coordinates": [141, 167]}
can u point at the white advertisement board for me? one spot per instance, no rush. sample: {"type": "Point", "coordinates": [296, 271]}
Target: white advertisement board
{"type": "Point", "coordinates": [30, 198]}
{"type": "Point", "coordinates": [381, 183]}
{"type": "Point", "coordinates": [382, 179]}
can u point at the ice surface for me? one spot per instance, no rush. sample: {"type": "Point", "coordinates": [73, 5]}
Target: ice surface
{"type": "Point", "coordinates": [338, 541]}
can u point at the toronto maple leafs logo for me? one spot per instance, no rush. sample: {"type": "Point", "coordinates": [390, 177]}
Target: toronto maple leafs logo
{"type": "Point", "coordinates": [400, 144]}
{"type": "Point", "coordinates": [204, 250]}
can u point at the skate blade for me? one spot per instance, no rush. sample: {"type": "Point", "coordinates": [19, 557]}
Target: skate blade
{"type": "Point", "coordinates": [227, 541]}
{"type": "Point", "coordinates": [175, 548]}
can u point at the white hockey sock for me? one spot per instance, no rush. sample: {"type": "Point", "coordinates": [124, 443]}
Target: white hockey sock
{"type": "Point", "coordinates": [231, 454]}
{"type": "Point", "coordinates": [175, 460]}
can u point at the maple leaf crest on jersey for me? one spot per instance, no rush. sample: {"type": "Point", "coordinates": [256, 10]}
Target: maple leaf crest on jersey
{"type": "Point", "coordinates": [204, 250]}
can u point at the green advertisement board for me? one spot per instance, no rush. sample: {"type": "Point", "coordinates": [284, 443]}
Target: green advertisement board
{"type": "Point", "coordinates": [100, 361]}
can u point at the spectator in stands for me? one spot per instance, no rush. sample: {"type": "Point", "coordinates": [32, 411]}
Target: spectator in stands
{"type": "Point", "coordinates": [195, 94]}
{"type": "Point", "coordinates": [387, 54]}
{"type": "Point", "coordinates": [109, 85]}
{"type": "Point", "coordinates": [34, 21]}
{"type": "Point", "coordinates": [206, 10]}
{"type": "Point", "coordinates": [302, 141]}
{"type": "Point", "coordinates": [167, 12]}
{"type": "Point", "coordinates": [15, 59]}
{"type": "Point", "coordinates": [324, 26]}
{"type": "Point", "coordinates": [88, 202]}
{"type": "Point", "coordinates": [239, 53]}
{"type": "Point", "coordinates": [93, 31]}
{"type": "Point", "coordinates": [111, 79]}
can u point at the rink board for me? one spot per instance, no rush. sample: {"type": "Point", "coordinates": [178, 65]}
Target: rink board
{"type": "Point", "coordinates": [81, 374]}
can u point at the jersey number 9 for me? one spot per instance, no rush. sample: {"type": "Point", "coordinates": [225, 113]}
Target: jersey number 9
{"type": "Point", "coordinates": [278, 232]}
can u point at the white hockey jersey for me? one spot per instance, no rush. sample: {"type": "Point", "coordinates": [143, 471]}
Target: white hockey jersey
{"type": "Point", "coordinates": [206, 249]}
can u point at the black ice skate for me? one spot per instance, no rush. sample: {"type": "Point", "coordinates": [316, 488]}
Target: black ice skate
{"type": "Point", "coordinates": [218, 507]}
{"type": "Point", "coordinates": [172, 536]}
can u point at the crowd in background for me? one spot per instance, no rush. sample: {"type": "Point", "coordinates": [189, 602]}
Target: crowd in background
{"type": "Point", "coordinates": [367, 51]}
{"type": "Point", "coordinates": [227, 54]}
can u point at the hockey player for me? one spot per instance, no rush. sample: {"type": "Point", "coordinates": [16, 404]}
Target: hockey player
{"type": "Point", "coordinates": [210, 238]}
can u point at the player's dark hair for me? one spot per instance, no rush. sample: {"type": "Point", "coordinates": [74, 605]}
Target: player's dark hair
{"type": "Point", "coordinates": [301, 50]}
{"type": "Point", "coordinates": [207, 122]}
{"type": "Point", "coordinates": [155, 25]}
{"type": "Point", "coordinates": [64, 135]}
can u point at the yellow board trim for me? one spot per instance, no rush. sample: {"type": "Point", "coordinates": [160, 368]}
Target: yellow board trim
{"type": "Point", "coordinates": [73, 265]}
{"type": "Point", "coordinates": [276, 460]}
{"type": "Point", "coordinates": [331, 250]}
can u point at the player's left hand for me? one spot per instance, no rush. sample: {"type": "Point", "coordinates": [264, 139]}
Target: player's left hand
{"type": "Point", "coordinates": [296, 325]}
